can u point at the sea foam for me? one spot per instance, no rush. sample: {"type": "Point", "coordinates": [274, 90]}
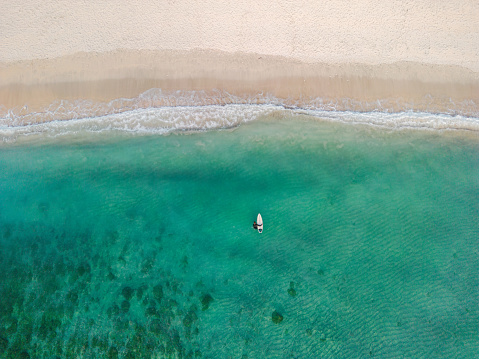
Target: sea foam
{"type": "Point", "coordinates": [157, 112]}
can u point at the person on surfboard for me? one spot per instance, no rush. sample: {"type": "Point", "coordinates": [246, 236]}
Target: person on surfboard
{"type": "Point", "coordinates": [255, 225]}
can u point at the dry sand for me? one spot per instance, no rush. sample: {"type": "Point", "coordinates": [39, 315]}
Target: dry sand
{"type": "Point", "coordinates": [395, 55]}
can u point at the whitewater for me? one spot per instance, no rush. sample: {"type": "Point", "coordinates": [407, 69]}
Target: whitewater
{"type": "Point", "coordinates": [157, 112]}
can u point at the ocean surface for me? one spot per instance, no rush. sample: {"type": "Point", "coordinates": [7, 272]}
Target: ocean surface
{"type": "Point", "coordinates": [121, 245]}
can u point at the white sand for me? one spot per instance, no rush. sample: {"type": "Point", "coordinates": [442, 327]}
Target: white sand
{"type": "Point", "coordinates": [423, 53]}
{"type": "Point", "coordinates": [361, 31]}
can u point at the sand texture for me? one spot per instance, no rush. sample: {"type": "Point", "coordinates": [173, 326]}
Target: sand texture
{"type": "Point", "coordinates": [364, 31]}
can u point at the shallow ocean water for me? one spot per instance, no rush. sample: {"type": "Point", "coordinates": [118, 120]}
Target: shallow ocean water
{"type": "Point", "coordinates": [123, 246]}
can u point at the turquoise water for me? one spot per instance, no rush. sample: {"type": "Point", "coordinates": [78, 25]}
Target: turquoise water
{"type": "Point", "coordinates": [142, 246]}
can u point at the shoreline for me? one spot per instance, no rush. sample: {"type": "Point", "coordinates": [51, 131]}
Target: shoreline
{"type": "Point", "coordinates": [33, 87]}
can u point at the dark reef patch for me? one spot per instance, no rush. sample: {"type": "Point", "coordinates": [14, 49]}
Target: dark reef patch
{"type": "Point", "coordinates": [276, 317]}
{"type": "Point", "coordinates": [127, 292]}
{"type": "Point", "coordinates": [291, 290]}
{"type": "Point", "coordinates": [206, 300]}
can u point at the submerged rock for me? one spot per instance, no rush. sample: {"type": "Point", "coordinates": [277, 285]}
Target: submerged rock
{"type": "Point", "coordinates": [72, 296]}
{"type": "Point", "coordinates": [83, 269]}
{"type": "Point", "coordinates": [175, 342]}
{"type": "Point", "coordinates": [276, 317]}
{"type": "Point", "coordinates": [98, 342]}
{"type": "Point", "coordinates": [3, 345]}
{"type": "Point", "coordinates": [158, 292]}
{"type": "Point", "coordinates": [12, 329]}
{"type": "Point", "coordinates": [291, 290]}
{"type": "Point", "coordinates": [151, 311]}
{"type": "Point", "coordinates": [189, 318]}
{"type": "Point", "coordinates": [113, 353]}
{"type": "Point", "coordinates": [49, 324]}
{"type": "Point", "coordinates": [206, 301]}
{"type": "Point", "coordinates": [125, 306]}
{"type": "Point", "coordinates": [127, 292]}
{"type": "Point", "coordinates": [140, 291]}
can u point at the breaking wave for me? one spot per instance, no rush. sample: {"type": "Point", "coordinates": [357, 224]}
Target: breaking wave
{"type": "Point", "coordinates": [156, 112]}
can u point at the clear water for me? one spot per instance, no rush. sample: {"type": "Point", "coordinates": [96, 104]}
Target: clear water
{"type": "Point", "coordinates": [143, 247]}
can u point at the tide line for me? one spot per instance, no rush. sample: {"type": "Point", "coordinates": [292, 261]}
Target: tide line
{"type": "Point", "coordinates": [166, 119]}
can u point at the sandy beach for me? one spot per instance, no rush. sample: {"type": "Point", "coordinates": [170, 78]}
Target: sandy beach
{"type": "Point", "coordinates": [391, 56]}
{"type": "Point", "coordinates": [140, 139]}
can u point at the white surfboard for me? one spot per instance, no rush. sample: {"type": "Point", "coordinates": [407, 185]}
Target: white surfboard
{"type": "Point", "coordinates": [259, 222]}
